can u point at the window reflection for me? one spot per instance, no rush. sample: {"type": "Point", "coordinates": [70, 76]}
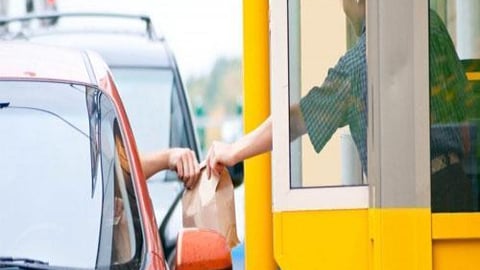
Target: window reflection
{"type": "Point", "coordinates": [454, 50]}
{"type": "Point", "coordinates": [328, 92]}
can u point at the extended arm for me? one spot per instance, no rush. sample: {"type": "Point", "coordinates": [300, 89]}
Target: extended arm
{"type": "Point", "coordinates": [254, 143]}
{"type": "Point", "coordinates": [297, 123]}
{"type": "Point", "coordinates": [181, 160]}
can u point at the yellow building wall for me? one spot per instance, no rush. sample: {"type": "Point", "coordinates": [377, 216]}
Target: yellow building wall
{"type": "Point", "coordinates": [377, 239]}
{"type": "Point", "coordinates": [374, 239]}
{"type": "Point", "coordinates": [334, 239]}
{"type": "Point", "coordinates": [456, 241]}
{"type": "Point", "coordinates": [400, 239]}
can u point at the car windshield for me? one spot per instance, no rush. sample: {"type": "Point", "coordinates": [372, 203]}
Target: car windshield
{"type": "Point", "coordinates": [150, 122]}
{"type": "Point", "coordinates": [50, 210]}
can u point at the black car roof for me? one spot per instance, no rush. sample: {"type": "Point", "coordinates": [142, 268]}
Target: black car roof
{"type": "Point", "coordinates": [117, 49]}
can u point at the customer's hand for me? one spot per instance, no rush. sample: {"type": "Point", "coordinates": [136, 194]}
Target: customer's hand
{"type": "Point", "coordinates": [185, 163]}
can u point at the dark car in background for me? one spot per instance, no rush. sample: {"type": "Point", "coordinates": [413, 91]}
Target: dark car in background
{"type": "Point", "coordinates": [151, 88]}
{"type": "Point", "coordinates": [73, 195]}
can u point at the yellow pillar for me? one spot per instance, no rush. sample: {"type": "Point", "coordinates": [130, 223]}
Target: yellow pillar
{"type": "Point", "coordinates": [258, 198]}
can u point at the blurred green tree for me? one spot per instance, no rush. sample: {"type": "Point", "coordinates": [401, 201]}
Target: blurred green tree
{"type": "Point", "coordinates": [216, 98]}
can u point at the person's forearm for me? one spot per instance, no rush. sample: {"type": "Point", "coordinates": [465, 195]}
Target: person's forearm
{"type": "Point", "coordinates": [153, 163]}
{"type": "Point", "coordinates": [254, 143]}
{"type": "Point", "coordinates": [297, 124]}
{"type": "Point", "coordinates": [259, 141]}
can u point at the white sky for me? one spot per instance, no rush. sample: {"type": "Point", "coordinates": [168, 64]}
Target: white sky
{"type": "Point", "coordinates": [198, 31]}
{"type": "Point", "coordinates": [201, 31]}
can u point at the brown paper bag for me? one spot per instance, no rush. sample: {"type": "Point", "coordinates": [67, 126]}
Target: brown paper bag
{"type": "Point", "coordinates": [211, 205]}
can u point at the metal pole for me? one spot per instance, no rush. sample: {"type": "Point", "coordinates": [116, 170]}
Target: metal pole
{"type": "Point", "coordinates": [258, 184]}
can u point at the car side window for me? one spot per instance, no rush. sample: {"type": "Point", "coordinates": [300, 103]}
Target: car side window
{"type": "Point", "coordinates": [121, 235]}
{"type": "Point", "coordinates": [179, 131]}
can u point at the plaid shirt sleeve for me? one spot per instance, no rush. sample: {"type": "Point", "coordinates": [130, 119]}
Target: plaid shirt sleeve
{"type": "Point", "coordinates": [341, 100]}
{"type": "Point", "coordinates": [325, 108]}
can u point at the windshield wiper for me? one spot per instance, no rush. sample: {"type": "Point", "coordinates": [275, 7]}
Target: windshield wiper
{"type": "Point", "coordinates": [22, 263]}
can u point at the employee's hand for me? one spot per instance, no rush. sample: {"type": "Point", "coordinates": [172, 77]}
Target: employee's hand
{"type": "Point", "coordinates": [219, 155]}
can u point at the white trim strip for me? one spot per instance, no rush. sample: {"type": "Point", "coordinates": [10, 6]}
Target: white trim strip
{"type": "Point", "coordinates": [324, 198]}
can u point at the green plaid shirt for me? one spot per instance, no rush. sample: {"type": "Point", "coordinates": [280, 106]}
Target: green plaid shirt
{"type": "Point", "coordinates": [342, 99]}
{"type": "Point", "coordinates": [451, 100]}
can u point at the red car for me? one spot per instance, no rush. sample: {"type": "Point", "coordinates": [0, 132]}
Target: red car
{"type": "Point", "coordinates": [73, 192]}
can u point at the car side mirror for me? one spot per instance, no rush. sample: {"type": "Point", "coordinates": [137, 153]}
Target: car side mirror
{"type": "Point", "coordinates": [202, 249]}
{"type": "Point", "coordinates": [236, 173]}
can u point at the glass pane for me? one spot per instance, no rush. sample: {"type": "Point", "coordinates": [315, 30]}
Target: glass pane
{"type": "Point", "coordinates": [46, 182]}
{"type": "Point", "coordinates": [120, 234]}
{"type": "Point", "coordinates": [454, 46]}
{"type": "Point", "coordinates": [179, 131]}
{"type": "Point", "coordinates": [146, 95]}
{"type": "Point", "coordinates": [328, 93]}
